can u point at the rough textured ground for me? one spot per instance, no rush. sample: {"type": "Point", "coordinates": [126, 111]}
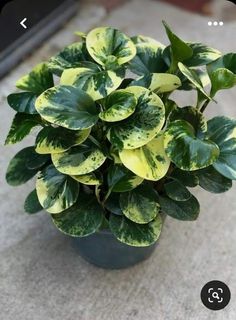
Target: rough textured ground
{"type": "Point", "coordinates": [41, 275]}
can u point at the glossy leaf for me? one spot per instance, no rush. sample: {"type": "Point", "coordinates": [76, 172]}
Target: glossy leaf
{"type": "Point", "coordinates": [186, 150]}
{"type": "Point", "coordinates": [109, 46]}
{"type": "Point", "coordinates": [23, 102]}
{"type": "Point", "coordinates": [222, 130]}
{"type": "Point", "coordinates": [176, 191]}
{"type": "Point", "coordinates": [112, 204]}
{"type": "Point", "coordinates": [143, 125]}
{"type": "Point", "coordinates": [140, 205]}
{"type": "Point", "coordinates": [120, 179]}
{"type": "Point", "coordinates": [68, 107]}
{"type": "Point", "coordinates": [158, 82]}
{"type": "Point", "coordinates": [192, 76]}
{"type": "Point", "coordinates": [98, 83]}
{"type": "Point", "coordinates": [56, 140]}
{"type": "Point", "coordinates": [202, 55]}
{"type": "Point", "coordinates": [222, 79]}
{"type": "Point", "coordinates": [17, 172]}
{"type": "Point", "coordinates": [188, 179]}
{"type": "Point", "coordinates": [56, 192]}
{"type": "Point", "coordinates": [227, 61]}
{"type": "Point", "coordinates": [32, 204]}
{"type": "Point", "coordinates": [133, 234]}
{"type": "Point", "coordinates": [181, 210]}
{"type": "Point", "coordinates": [213, 181]}
{"type": "Point", "coordinates": [79, 160]}
{"type": "Point", "coordinates": [180, 50]}
{"type": "Point", "coordinates": [149, 162]}
{"type": "Point", "coordinates": [81, 220]}
{"type": "Point", "coordinates": [118, 106]}
{"type": "Point", "coordinates": [21, 126]}
{"type": "Point", "coordinates": [37, 161]}
{"type": "Point", "coordinates": [148, 58]}
{"type": "Point", "coordinates": [72, 56]}
{"type": "Point", "coordinates": [89, 179]}
{"type": "Point", "coordinates": [37, 81]}
{"type": "Point", "coordinates": [192, 116]}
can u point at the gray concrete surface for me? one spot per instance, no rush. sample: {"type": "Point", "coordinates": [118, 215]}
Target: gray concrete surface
{"type": "Point", "coordinates": [41, 275]}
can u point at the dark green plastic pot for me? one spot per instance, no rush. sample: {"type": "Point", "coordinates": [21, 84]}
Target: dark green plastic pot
{"type": "Point", "coordinates": [104, 250]}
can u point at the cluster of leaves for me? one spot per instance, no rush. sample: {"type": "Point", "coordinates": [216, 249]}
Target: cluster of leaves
{"type": "Point", "coordinates": [113, 150]}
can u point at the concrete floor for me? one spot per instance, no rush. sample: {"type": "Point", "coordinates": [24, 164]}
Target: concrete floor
{"type": "Point", "coordinates": [41, 274]}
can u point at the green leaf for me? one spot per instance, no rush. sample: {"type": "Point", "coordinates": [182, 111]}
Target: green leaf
{"type": "Point", "coordinates": [98, 83]}
{"type": "Point", "coordinates": [222, 79]}
{"type": "Point", "coordinates": [120, 179]}
{"type": "Point", "coordinates": [37, 161]}
{"type": "Point", "coordinates": [181, 210]}
{"type": "Point", "coordinates": [176, 191]}
{"type": "Point", "coordinates": [37, 81]}
{"type": "Point", "coordinates": [32, 204]}
{"type": "Point", "coordinates": [72, 56]}
{"type": "Point", "coordinates": [192, 76]}
{"type": "Point", "coordinates": [81, 220]}
{"type": "Point", "coordinates": [23, 102]}
{"type": "Point", "coordinates": [18, 172]}
{"type": "Point", "coordinates": [192, 116]}
{"type": "Point", "coordinates": [186, 150]}
{"type": "Point", "coordinates": [118, 106]}
{"type": "Point", "coordinates": [179, 49]}
{"type": "Point", "coordinates": [68, 107]}
{"type": "Point", "coordinates": [202, 55]}
{"type": "Point", "coordinates": [213, 181]}
{"type": "Point", "coordinates": [143, 125]}
{"type": "Point", "coordinates": [21, 126]}
{"type": "Point", "coordinates": [133, 234]}
{"type": "Point", "coordinates": [140, 205]}
{"type": "Point", "coordinates": [79, 160]}
{"type": "Point", "coordinates": [112, 204]}
{"type": "Point", "coordinates": [56, 140]}
{"type": "Point", "coordinates": [222, 131]}
{"type": "Point", "coordinates": [109, 46]}
{"type": "Point", "coordinates": [149, 162]}
{"type": "Point", "coordinates": [227, 61]}
{"type": "Point", "coordinates": [158, 82]}
{"type": "Point", "coordinates": [189, 179]}
{"type": "Point", "coordinates": [89, 179]}
{"type": "Point", "coordinates": [56, 191]}
{"type": "Point", "coordinates": [148, 58]}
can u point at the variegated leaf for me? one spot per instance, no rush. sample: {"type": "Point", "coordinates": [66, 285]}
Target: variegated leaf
{"type": "Point", "coordinates": [81, 220]}
{"type": "Point", "coordinates": [72, 56]}
{"type": "Point", "coordinates": [143, 125]}
{"type": "Point", "coordinates": [149, 162]}
{"type": "Point", "coordinates": [158, 82]}
{"type": "Point", "coordinates": [56, 140]}
{"type": "Point", "coordinates": [120, 179]}
{"type": "Point", "coordinates": [109, 46]}
{"type": "Point", "coordinates": [134, 234]}
{"type": "Point", "coordinates": [79, 160]}
{"type": "Point", "coordinates": [192, 76]}
{"type": "Point", "coordinates": [68, 107]}
{"type": "Point", "coordinates": [202, 55]}
{"type": "Point", "coordinates": [89, 179]}
{"type": "Point", "coordinates": [37, 81]}
{"type": "Point", "coordinates": [118, 106]}
{"type": "Point", "coordinates": [140, 205]}
{"type": "Point", "coordinates": [222, 130]}
{"type": "Point", "coordinates": [23, 102]}
{"type": "Point", "coordinates": [186, 150]}
{"type": "Point", "coordinates": [98, 83]}
{"type": "Point", "coordinates": [56, 192]}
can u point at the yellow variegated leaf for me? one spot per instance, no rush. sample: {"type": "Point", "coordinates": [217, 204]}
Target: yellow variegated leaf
{"type": "Point", "coordinates": [90, 179]}
{"type": "Point", "coordinates": [109, 46]}
{"type": "Point", "coordinates": [149, 162]}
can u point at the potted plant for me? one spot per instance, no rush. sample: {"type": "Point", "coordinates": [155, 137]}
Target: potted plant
{"type": "Point", "coordinates": [114, 153]}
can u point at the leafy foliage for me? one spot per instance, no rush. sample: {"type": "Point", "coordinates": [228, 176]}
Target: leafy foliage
{"type": "Point", "coordinates": [116, 151]}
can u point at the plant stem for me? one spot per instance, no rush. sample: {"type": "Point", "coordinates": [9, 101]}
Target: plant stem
{"type": "Point", "coordinates": [203, 108]}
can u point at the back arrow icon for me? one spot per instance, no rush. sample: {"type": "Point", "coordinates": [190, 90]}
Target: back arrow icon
{"type": "Point", "coordinates": [23, 23]}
